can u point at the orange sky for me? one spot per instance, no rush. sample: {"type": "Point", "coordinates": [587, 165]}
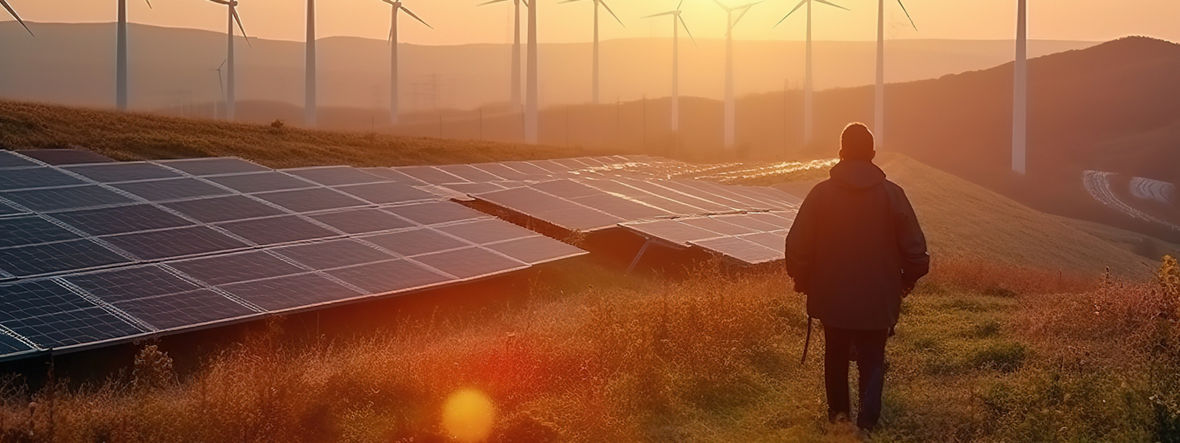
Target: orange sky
{"type": "Point", "coordinates": [459, 21]}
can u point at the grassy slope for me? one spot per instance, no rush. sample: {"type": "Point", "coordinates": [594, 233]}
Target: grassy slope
{"type": "Point", "coordinates": [134, 136]}
{"type": "Point", "coordinates": [962, 218]}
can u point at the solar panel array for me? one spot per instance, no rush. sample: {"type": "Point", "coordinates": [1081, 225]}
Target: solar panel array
{"type": "Point", "coordinates": [97, 253]}
{"type": "Point", "coordinates": [599, 193]}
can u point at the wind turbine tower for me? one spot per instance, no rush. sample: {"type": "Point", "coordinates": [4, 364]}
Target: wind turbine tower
{"type": "Point", "coordinates": [1020, 92]}
{"type": "Point", "coordinates": [230, 78]}
{"type": "Point", "coordinates": [597, 4]}
{"type": "Point", "coordinates": [531, 119]}
{"type": "Point", "coordinates": [879, 103]}
{"type": "Point", "coordinates": [309, 105]}
{"type": "Point", "coordinates": [515, 97]}
{"type": "Point", "coordinates": [677, 23]}
{"type": "Point", "coordinates": [121, 56]}
{"type": "Point", "coordinates": [730, 106]}
{"type": "Point", "coordinates": [394, 96]}
{"type": "Point", "coordinates": [808, 84]}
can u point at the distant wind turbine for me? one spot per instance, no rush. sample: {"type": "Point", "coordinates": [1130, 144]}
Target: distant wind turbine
{"type": "Point", "coordinates": [515, 87]}
{"type": "Point", "coordinates": [1020, 92]}
{"type": "Point", "coordinates": [531, 118]}
{"type": "Point", "coordinates": [121, 56]}
{"type": "Point", "coordinates": [730, 111]}
{"type": "Point", "coordinates": [597, 3]}
{"type": "Point", "coordinates": [393, 68]}
{"type": "Point", "coordinates": [677, 23]}
{"type": "Point", "coordinates": [220, 103]}
{"type": "Point", "coordinates": [309, 105]}
{"type": "Point", "coordinates": [808, 85]}
{"type": "Point", "coordinates": [13, 13]}
{"type": "Point", "coordinates": [231, 6]}
{"type": "Point", "coordinates": [879, 106]}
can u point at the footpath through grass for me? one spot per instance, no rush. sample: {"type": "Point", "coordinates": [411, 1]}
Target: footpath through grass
{"type": "Point", "coordinates": [998, 355]}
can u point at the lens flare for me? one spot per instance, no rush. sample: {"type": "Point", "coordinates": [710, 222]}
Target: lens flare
{"type": "Point", "coordinates": [468, 415]}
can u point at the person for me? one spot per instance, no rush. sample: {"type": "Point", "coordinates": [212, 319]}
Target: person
{"type": "Point", "coordinates": [856, 249]}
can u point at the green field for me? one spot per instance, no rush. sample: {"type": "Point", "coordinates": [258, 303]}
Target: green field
{"type": "Point", "coordinates": [1018, 334]}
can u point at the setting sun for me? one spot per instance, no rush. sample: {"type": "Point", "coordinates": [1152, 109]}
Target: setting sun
{"type": "Point", "coordinates": [468, 415]}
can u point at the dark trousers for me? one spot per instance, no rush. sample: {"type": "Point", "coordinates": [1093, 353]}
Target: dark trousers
{"type": "Point", "coordinates": [870, 363]}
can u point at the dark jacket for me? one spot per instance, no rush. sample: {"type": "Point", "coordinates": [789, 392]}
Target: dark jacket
{"type": "Point", "coordinates": [855, 245]}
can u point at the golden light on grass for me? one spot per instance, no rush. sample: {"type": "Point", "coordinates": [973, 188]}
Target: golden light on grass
{"type": "Point", "coordinates": [468, 415]}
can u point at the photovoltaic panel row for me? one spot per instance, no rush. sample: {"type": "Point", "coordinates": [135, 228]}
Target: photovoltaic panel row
{"type": "Point", "coordinates": [750, 238]}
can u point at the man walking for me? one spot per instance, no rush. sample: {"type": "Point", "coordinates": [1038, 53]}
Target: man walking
{"type": "Point", "coordinates": [856, 250]}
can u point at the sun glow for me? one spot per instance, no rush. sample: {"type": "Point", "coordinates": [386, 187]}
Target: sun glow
{"type": "Point", "coordinates": [468, 415]}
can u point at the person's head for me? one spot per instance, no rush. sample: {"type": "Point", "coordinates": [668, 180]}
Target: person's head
{"type": "Point", "coordinates": [856, 143]}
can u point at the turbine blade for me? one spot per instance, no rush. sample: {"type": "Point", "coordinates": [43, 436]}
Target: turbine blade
{"type": "Point", "coordinates": [660, 14]}
{"type": "Point", "coordinates": [491, 2]}
{"type": "Point", "coordinates": [242, 28]}
{"type": "Point", "coordinates": [685, 25]}
{"type": "Point", "coordinates": [389, 39]}
{"type": "Point", "coordinates": [678, 5]}
{"type": "Point", "coordinates": [526, 3]}
{"type": "Point", "coordinates": [612, 13]}
{"type": "Point", "coordinates": [411, 13]}
{"type": "Point", "coordinates": [12, 12]}
{"type": "Point", "coordinates": [826, 2]}
{"type": "Point", "coordinates": [566, 1]}
{"type": "Point", "coordinates": [722, 5]}
{"type": "Point", "coordinates": [796, 8]}
{"type": "Point", "coordinates": [907, 15]}
{"type": "Point", "coordinates": [149, 2]}
{"type": "Point", "coordinates": [745, 9]}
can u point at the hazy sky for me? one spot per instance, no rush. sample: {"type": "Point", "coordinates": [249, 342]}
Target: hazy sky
{"type": "Point", "coordinates": [459, 21]}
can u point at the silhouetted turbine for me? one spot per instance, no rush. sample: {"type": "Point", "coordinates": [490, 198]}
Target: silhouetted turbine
{"type": "Point", "coordinates": [230, 100]}
{"type": "Point", "coordinates": [515, 99]}
{"type": "Point", "coordinates": [597, 3]}
{"type": "Point", "coordinates": [879, 104]}
{"type": "Point", "coordinates": [677, 23]}
{"type": "Point", "coordinates": [730, 107]}
{"type": "Point", "coordinates": [394, 97]}
{"type": "Point", "coordinates": [808, 85]}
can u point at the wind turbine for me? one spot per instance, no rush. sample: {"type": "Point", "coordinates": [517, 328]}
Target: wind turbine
{"type": "Point", "coordinates": [677, 23]}
{"type": "Point", "coordinates": [515, 87]}
{"type": "Point", "coordinates": [121, 56]}
{"type": "Point", "coordinates": [309, 105]}
{"type": "Point", "coordinates": [1020, 92]}
{"type": "Point", "coordinates": [13, 13]}
{"type": "Point", "coordinates": [220, 103]}
{"type": "Point", "coordinates": [231, 6]}
{"type": "Point", "coordinates": [730, 131]}
{"type": "Point", "coordinates": [598, 3]}
{"type": "Point", "coordinates": [393, 70]}
{"type": "Point", "coordinates": [808, 85]}
{"type": "Point", "coordinates": [879, 107]}
{"type": "Point", "coordinates": [531, 119]}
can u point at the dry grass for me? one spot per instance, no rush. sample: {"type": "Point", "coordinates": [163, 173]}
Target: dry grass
{"type": "Point", "coordinates": [134, 136]}
{"type": "Point", "coordinates": [596, 357]}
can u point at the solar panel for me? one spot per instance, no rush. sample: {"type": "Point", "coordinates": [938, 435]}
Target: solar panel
{"type": "Point", "coordinates": [502, 171]}
{"type": "Point", "coordinates": [52, 316]}
{"type": "Point", "coordinates": [471, 262]}
{"type": "Point", "coordinates": [360, 221]}
{"type": "Point", "coordinates": [69, 328]}
{"type": "Point", "coordinates": [191, 308]}
{"type": "Point", "coordinates": [473, 188]}
{"type": "Point", "coordinates": [391, 276]}
{"type": "Point", "coordinates": [10, 160]}
{"type": "Point", "coordinates": [48, 258]}
{"type": "Point", "coordinates": [171, 189]}
{"type": "Point", "coordinates": [275, 230]}
{"type": "Point", "coordinates": [622, 208]}
{"type": "Point", "coordinates": [58, 157]}
{"type": "Point", "coordinates": [717, 226]}
{"type": "Point", "coordinates": [261, 182]}
{"type": "Point", "coordinates": [486, 231]}
{"type": "Point", "coordinates": [335, 175]}
{"type": "Point", "coordinates": [59, 199]}
{"type": "Point", "coordinates": [10, 345]}
{"type": "Point", "coordinates": [218, 209]}
{"type": "Point", "coordinates": [417, 241]}
{"type": "Point", "coordinates": [308, 200]}
{"type": "Point", "coordinates": [672, 231]}
{"type": "Point", "coordinates": [120, 219]}
{"type": "Point", "coordinates": [393, 175]}
{"type": "Point", "coordinates": [233, 268]}
{"type": "Point", "coordinates": [291, 291]}
{"type": "Point", "coordinates": [772, 240]}
{"type": "Point", "coordinates": [122, 172]}
{"type": "Point", "coordinates": [741, 249]}
{"type": "Point", "coordinates": [469, 173]}
{"type": "Point", "coordinates": [333, 254]}
{"type": "Point", "coordinates": [536, 250]}
{"type": "Point", "coordinates": [27, 178]}
{"type": "Point", "coordinates": [567, 189]}
{"type": "Point", "coordinates": [6, 210]}
{"type": "Point", "coordinates": [528, 169]}
{"type": "Point", "coordinates": [28, 230]}
{"type": "Point", "coordinates": [213, 166]}
{"type": "Point", "coordinates": [169, 243]}
{"type": "Point", "coordinates": [431, 213]}
{"type": "Point", "coordinates": [429, 174]}
{"type": "Point", "coordinates": [658, 189]}
{"type": "Point", "coordinates": [123, 284]}
{"type": "Point", "coordinates": [745, 220]}
{"type": "Point", "coordinates": [386, 193]}
{"type": "Point", "coordinates": [558, 211]}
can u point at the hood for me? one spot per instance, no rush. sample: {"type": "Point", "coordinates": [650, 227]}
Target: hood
{"type": "Point", "coordinates": [856, 174]}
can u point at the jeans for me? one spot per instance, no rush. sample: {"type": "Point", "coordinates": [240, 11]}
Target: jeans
{"type": "Point", "coordinates": [870, 363]}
